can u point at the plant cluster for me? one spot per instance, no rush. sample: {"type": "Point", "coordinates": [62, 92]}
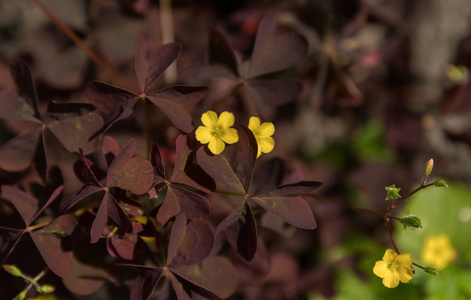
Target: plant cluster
{"type": "Point", "coordinates": [185, 223]}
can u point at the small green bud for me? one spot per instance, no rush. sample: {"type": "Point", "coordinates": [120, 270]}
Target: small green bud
{"type": "Point", "coordinates": [440, 183]}
{"type": "Point", "coordinates": [429, 167]}
{"type": "Point", "coordinates": [46, 289]}
{"type": "Point", "coordinates": [411, 221]}
{"type": "Point", "coordinates": [392, 192]}
{"type": "Point", "coordinates": [13, 270]}
{"type": "Point", "coordinates": [20, 296]}
{"type": "Point", "coordinates": [431, 271]}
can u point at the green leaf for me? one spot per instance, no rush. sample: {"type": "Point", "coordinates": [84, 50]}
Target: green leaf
{"type": "Point", "coordinates": [392, 192]}
{"type": "Point", "coordinates": [440, 183]}
{"type": "Point", "coordinates": [411, 221]}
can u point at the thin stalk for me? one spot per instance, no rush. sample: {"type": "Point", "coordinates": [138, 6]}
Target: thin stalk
{"type": "Point", "coordinates": [147, 127]}
{"type": "Point", "coordinates": [392, 236]}
{"type": "Point", "coordinates": [168, 36]}
{"type": "Point", "coordinates": [115, 78]}
{"type": "Point", "coordinates": [380, 214]}
{"type": "Point", "coordinates": [404, 199]}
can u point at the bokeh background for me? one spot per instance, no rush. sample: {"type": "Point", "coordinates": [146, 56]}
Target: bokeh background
{"type": "Point", "coordinates": [385, 88]}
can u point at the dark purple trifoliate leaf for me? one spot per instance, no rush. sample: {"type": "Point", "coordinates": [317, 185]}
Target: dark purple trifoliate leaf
{"type": "Point", "coordinates": [260, 263]}
{"type": "Point", "coordinates": [48, 240]}
{"type": "Point", "coordinates": [79, 195]}
{"type": "Point", "coordinates": [292, 189]}
{"type": "Point", "coordinates": [184, 289]}
{"type": "Point", "coordinates": [130, 173]}
{"type": "Point", "coordinates": [110, 149]}
{"type": "Point", "coordinates": [17, 154]}
{"type": "Point", "coordinates": [13, 106]}
{"type": "Point", "coordinates": [87, 175]}
{"type": "Point", "coordinates": [26, 204]}
{"type": "Point", "coordinates": [189, 244]}
{"type": "Point", "coordinates": [84, 279]}
{"type": "Point", "coordinates": [186, 170]}
{"type": "Point", "coordinates": [109, 210]}
{"type": "Point", "coordinates": [215, 274]}
{"type": "Point", "coordinates": [127, 246]}
{"type": "Point", "coordinates": [22, 76]}
{"type": "Point", "coordinates": [181, 200]}
{"type": "Point", "coordinates": [174, 100]}
{"type": "Point", "coordinates": [234, 166]}
{"type": "Point", "coordinates": [275, 48]}
{"type": "Point", "coordinates": [145, 282]}
{"type": "Point", "coordinates": [220, 52]}
{"type": "Point", "coordinates": [267, 176]}
{"type": "Point", "coordinates": [241, 231]}
{"type": "Point", "coordinates": [150, 66]}
{"type": "Point", "coordinates": [274, 93]}
{"type": "Point", "coordinates": [156, 159]}
{"type": "Point", "coordinates": [293, 210]}
{"type": "Point", "coordinates": [73, 124]}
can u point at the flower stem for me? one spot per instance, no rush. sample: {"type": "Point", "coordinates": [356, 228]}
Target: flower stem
{"type": "Point", "coordinates": [392, 236]}
{"type": "Point", "coordinates": [421, 187]}
{"type": "Point", "coordinates": [147, 127]}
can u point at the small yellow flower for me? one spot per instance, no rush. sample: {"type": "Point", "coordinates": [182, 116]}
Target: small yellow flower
{"type": "Point", "coordinates": [438, 251]}
{"type": "Point", "coordinates": [216, 131]}
{"type": "Point", "coordinates": [394, 268]}
{"type": "Point", "coordinates": [262, 135]}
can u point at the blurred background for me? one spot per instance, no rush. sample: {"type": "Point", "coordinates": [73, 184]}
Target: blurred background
{"type": "Point", "coordinates": [385, 87]}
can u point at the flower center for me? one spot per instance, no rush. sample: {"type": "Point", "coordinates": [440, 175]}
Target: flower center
{"type": "Point", "coordinates": [217, 132]}
{"type": "Point", "coordinates": [392, 265]}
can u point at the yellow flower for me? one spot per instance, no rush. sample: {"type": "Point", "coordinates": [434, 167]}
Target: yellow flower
{"type": "Point", "coordinates": [438, 251]}
{"type": "Point", "coordinates": [394, 268]}
{"type": "Point", "coordinates": [262, 135]}
{"type": "Point", "coordinates": [216, 131]}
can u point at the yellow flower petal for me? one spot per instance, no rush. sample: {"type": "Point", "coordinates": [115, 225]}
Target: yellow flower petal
{"type": "Point", "coordinates": [203, 135]}
{"type": "Point", "coordinates": [389, 255]}
{"type": "Point", "coordinates": [266, 129]}
{"type": "Point", "coordinates": [254, 123]}
{"type": "Point", "coordinates": [404, 259]}
{"type": "Point", "coordinates": [226, 120]}
{"type": "Point", "coordinates": [391, 280]}
{"type": "Point", "coordinates": [380, 269]}
{"type": "Point", "coordinates": [266, 145]}
{"type": "Point", "coordinates": [230, 136]}
{"type": "Point", "coordinates": [404, 273]}
{"type": "Point", "coordinates": [216, 145]}
{"type": "Point", "coordinates": [209, 119]}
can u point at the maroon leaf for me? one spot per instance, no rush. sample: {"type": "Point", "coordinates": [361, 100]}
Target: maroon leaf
{"type": "Point", "coordinates": [49, 244]}
{"type": "Point", "coordinates": [150, 67]}
{"type": "Point", "coordinates": [145, 283]}
{"type": "Point", "coordinates": [215, 274]}
{"type": "Point", "coordinates": [234, 166]}
{"type": "Point", "coordinates": [73, 124]}
{"type": "Point", "coordinates": [13, 106]}
{"type": "Point", "coordinates": [79, 195]}
{"type": "Point", "coordinates": [128, 246]}
{"type": "Point", "coordinates": [109, 210]}
{"type": "Point", "coordinates": [187, 172]}
{"type": "Point", "coordinates": [133, 174]}
{"type": "Point", "coordinates": [24, 81]}
{"type": "Point", "coordinates": [54, 196]}
{"type": "Point", "coordinates": [292, 189]}
{"type": "Point", "coordinates": [241, 231]}
{"type": "Point", "coordinates": [17, 154]}
{"type": "Point", "coordinates": [180, 200]}
{"type": "Point", "coordinates": [220, 52]}
{"type": "Point", "coordinates": [174, 100]}
{"type": "Point", "coordinates": [267, 176]}
{"type": "Point", "coordinates": [110, 99]}
{"type": "Point", "coordinates": [293, 210]}
{"type": "Point", "coordinates": [182, 291]}
{"type": "Point", "coordinates": [156, 159]}
{"type": "Point", "coordinates": [275, 48]}
{"type": "Point", "coordinates": [274, 92]}
{"type": "Point", "coordinates": [110, 149]}
{"type": "Point", "coordinates": [189, 244]}
{"type": "Point", "coordinates": [26, 204]}
{"type": "Point", "coordinates": [84, 279]}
